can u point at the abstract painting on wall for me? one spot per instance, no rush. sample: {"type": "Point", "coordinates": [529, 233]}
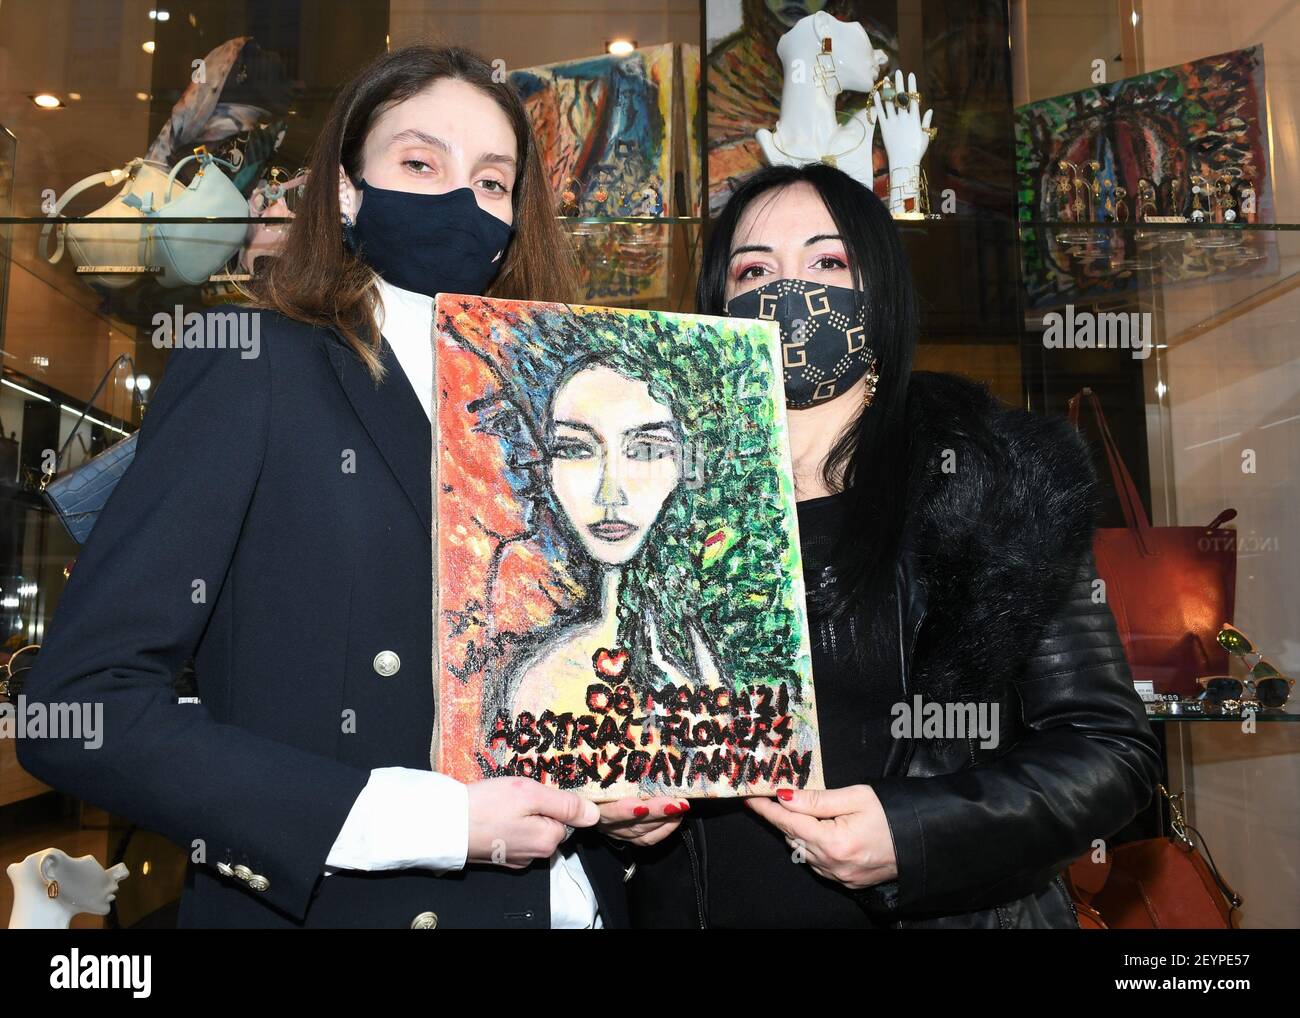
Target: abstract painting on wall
{"type": "Point", "coordinates": [1180, 142]}
{"type": "Point", "coordinates": [604, 125]}
{"type": "Point", "coordinates": [619, 596]}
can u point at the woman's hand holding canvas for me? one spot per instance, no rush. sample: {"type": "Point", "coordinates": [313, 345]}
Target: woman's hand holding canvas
{"type": "Point", "coordinates": [620, 593]}
{"type": "Point", "coordinates": [842, 833]}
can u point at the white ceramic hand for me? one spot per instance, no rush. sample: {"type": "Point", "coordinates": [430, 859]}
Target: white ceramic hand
{"type": "Point", "coordinates": [902, 131]}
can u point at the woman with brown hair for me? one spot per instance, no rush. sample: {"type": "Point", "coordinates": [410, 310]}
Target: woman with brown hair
{"type": "Point", "coordinates": [276, 525]}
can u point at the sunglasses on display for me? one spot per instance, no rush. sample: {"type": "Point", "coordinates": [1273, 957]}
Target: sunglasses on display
{"type": "Point", "coordinates": [1264, 684]}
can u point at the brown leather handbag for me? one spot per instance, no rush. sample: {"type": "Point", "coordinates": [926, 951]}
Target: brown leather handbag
{"type": "Point", "coordinates": [1157, 884]}
{"type": "Point", "coordinates": [1170, 588]}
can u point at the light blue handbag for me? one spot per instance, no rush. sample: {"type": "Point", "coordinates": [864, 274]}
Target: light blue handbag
{"type": "Point", "coordinates": [190, 252]}
{"type": "Point", "coordinates": [115, 247]}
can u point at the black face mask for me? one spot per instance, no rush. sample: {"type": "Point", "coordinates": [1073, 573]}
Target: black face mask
{"type": "Point", "coordinates": [429, 243]}
{"type": "Point", "coordinates": [824, 347]}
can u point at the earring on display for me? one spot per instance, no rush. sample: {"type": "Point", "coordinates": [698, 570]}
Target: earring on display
{"type": "Point", "coordinates": [51, 889]}
{"type": "Point", "coordinates": [1063, 189]}
{"type": "Point", "coordinates": [1199, 184]}
{"type": "Point", "coordinates": [1146, 200]}
{"type": "Point", "coordinates": [824, 70]}
{"type": "Point", "coordinates": [1227, 200]}
{"type": "Point", "coordinates": [569, 198]}
{"type": "Point", "coordinates": [1094, 189]}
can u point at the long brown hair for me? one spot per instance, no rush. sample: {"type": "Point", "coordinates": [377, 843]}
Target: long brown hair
{"type": "Point", "coordinates": [318, 280]}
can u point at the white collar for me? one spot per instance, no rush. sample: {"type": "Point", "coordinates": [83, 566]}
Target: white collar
{"type": "Point", "coordinates": [405, 319]}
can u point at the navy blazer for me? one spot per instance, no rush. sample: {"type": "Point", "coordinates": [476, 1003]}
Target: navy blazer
{"type": "Point", "coordinates": [274, 526]}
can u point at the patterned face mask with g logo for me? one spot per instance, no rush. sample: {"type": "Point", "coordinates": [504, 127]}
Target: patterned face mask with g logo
{"type": "Point", "coordinates": [824, 348]}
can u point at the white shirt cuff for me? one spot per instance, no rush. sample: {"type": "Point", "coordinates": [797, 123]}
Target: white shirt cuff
{"type": "Point", "coordinates": [404, 819]}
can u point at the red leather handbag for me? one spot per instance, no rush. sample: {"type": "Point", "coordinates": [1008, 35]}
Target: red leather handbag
{"type": "Point", "coordinates": [1157, 884]}
{"type": "Point", "coordinates": [1170, 588]}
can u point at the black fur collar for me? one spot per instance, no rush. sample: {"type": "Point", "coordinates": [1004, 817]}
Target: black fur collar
{"type": "Point", "coordinates": [1001, 511]}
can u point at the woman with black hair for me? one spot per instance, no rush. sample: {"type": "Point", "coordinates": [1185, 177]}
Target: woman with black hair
{"type": "Point", "coordinates": [979, 726]}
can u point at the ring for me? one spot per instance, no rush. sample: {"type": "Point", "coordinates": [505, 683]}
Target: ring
{"type": "Point", "coordinates": [568, 832]}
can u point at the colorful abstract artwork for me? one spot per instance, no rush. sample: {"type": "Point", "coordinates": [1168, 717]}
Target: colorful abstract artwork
{"type": "Point", "coordinates": [1143, 145]}
{"type": "Point", "coordinates": [619, 592]}
{"type": "Point", "coordinates": [605, 128]}
{"type": "Point", "coordinates": [691, 105]}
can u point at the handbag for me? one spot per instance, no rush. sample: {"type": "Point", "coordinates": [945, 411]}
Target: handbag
{"type": "Point", "coordinates": [190, 252]}
{"type": "Point", "coordinates": [187, 253]}
{"type": "Point", "coordinates": [78, 496]}
{"type": "Point", "coordinates": [105, 244]}
{"type": "Point", "coordinates": [1170, 588]}
{"type": "Point", "coordinates": [1156, 884]}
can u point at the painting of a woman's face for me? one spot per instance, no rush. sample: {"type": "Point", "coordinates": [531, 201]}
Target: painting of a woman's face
{"type": "Point", "coordinates": [615, 457]}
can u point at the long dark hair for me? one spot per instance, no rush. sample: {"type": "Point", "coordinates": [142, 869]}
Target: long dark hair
{"type": "Point", "coordinates": [318, 280]}
{"type": "Point", "coordinates": [871, 457]}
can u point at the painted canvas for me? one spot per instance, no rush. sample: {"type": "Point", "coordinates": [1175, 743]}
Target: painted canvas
{"type": "Point", "coordinates": [693, 122]}
{"type": "Point", "coordinates": [604, 125]}
{"type": "Point", "coordinates": [605, 128]}
{"type": "Point", "coordinates": [1149, 137]}
{"type": "Point", "coordinates": [619, 592]}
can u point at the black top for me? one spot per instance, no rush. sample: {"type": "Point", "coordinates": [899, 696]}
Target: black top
{"type": "Point", "coordinates": [752, 879]}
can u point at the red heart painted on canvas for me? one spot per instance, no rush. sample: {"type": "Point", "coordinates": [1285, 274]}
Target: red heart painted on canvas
{"type": "Point", "coordinates": [610, 663]}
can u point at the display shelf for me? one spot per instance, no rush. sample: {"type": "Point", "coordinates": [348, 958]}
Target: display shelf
{"type": "Point", "coordinates": [1165, 268]}
{"type": "Point", "coordinates": [1221, 717]}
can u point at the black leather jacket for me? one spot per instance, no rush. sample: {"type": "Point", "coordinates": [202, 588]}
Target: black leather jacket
{"type": "Point", "coordinates": [995, 601]}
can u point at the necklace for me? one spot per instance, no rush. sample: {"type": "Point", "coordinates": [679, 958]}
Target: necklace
{"type": "Point", "coordinates": [831, 159]}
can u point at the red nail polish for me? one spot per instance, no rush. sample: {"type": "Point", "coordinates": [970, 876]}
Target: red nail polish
{"type": "Point", "coordinates": [670, 810]}
{"type": "Point", "coordinates": [784, 794]}
{"type": "Point", "coordinates": [641, 811]}
{"type": "Point", "coordinates": [686, 807]}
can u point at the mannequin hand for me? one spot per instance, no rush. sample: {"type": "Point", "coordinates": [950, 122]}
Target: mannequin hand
{"type": "Point", "coordinates": [902, 131]}
{"type": "Point", "coordinates": [842, 832]}
{"type": "Point", "coordinates": [513, 821]}
{"type": "Point", "coordinates": [643, 822]}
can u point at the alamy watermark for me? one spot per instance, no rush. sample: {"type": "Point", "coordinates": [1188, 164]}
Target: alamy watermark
{"type": "Point", "coordinates": [919, 720]}
{"type": "Point", "coordinates": [208, 330]}
{"type": "Point", "coordinates": [77, 971]}
{"type": "Point", "coordinates": [1107, 330]}
{"type": "Point", "coordinates": [20, 719]}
